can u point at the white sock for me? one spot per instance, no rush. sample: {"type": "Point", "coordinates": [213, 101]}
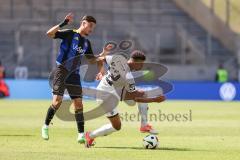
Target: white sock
{"type": "Point", "coordinates": [45, 126]}
{"type": "Point", "coordinates": [102, 131]}
{"type": "Point", "coordinates": [80, 134]}
{"type": "Point", "coordinates": [143, 111]}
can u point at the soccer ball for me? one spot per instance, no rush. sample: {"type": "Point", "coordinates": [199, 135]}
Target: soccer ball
{"type": "Point", "coordinates": [150, 142]}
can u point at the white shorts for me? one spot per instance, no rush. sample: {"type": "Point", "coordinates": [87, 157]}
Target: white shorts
{"type": "Point", "coordinates": [109, 97]}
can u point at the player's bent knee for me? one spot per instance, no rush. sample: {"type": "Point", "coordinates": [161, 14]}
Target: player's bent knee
{"type": "Point", "coordinates": [117, 126]}
{"type": "Point", "coordinates": [116, 122]}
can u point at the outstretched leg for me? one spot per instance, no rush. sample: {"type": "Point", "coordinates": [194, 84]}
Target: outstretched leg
{"type": "Point", "coordinates": [106, 129]}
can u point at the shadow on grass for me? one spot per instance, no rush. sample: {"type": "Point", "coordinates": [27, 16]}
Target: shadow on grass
{"type": "Point", "coordinates": [16, 135]}
{"type": "Point", "coordinates": [161, 148]}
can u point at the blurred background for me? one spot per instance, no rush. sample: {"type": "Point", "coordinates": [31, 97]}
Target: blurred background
{"type": "Point", "coordinates": [197, 40]}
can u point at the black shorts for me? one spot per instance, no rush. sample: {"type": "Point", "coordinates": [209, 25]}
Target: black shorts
{"type": "Point", "coordinates": [62, 79]}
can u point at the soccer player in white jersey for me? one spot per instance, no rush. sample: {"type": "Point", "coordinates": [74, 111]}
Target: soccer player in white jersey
{"type": "Point", "coordinates": [118, 84]}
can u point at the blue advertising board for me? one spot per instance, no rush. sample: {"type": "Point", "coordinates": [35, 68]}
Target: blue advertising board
{"type": "Point", "coordinates": [40, 89]}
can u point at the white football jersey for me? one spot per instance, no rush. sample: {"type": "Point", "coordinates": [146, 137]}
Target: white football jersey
{"type": "Point", "coordinates": [118, 79]}
{"type": "Point", "coordinates": [119, 74]}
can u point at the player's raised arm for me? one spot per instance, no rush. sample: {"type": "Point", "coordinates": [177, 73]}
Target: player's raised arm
{"type": "Point", "coordinates": [52, 31]}
{"type": "Point", "coordinates": [101, 57]}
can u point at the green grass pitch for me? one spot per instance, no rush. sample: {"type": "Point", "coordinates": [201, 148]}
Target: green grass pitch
{"type": "Point", "coordinates": [212, 133]}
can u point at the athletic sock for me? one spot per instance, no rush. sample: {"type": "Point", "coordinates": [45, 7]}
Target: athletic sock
{"type": "Point", "coordinates": [50, 113]}
{"type": "Point", "coordinates": [45, 126]}
{"type": "Point", "coordinates": [103, 131]}
{"type": "Point", "coordinates": [143, 111]}
{"type": "Point", "coordinates": [80, 120]}
{"type": "Point", "coordinates": [81, 134]}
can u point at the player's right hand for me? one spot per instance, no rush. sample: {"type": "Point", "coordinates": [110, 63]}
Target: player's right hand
{"type": "Point", "coordinates": [69, 17]}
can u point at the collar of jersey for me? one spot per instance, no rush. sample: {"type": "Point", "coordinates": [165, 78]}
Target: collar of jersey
{"type": "Point", "coordinates": [77, 32]}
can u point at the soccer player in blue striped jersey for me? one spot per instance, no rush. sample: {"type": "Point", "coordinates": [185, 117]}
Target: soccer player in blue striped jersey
{"type": "Point", "coordinates": [73, 48]}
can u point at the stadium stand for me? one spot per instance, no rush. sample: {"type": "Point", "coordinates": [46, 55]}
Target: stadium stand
{"type": "Point", "coordinates": [159, 27]}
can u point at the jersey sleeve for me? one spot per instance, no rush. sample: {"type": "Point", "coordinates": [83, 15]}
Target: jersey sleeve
{"type": "Point", "coordinates": [130, 83]}
{"type": "Point", "coordinates": [89, 53]}
{"type": "Point", "coordinates": [63, 34]}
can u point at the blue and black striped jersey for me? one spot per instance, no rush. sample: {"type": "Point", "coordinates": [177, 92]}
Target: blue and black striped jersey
{"type": "Point", "coordinates": [73, 47]}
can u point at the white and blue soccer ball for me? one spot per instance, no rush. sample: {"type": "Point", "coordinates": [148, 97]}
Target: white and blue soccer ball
{"type": "Point", "coordinates": [150, 142]}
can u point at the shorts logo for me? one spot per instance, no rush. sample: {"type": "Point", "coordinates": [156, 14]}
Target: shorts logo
{"type": "Point", "coordinates": [55, 87]}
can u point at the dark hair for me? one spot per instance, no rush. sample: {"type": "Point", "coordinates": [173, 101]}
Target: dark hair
{"type": "Point", "coordinates": [89, 19]}
{"type": "Point", "coordinates": [138, 55]}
